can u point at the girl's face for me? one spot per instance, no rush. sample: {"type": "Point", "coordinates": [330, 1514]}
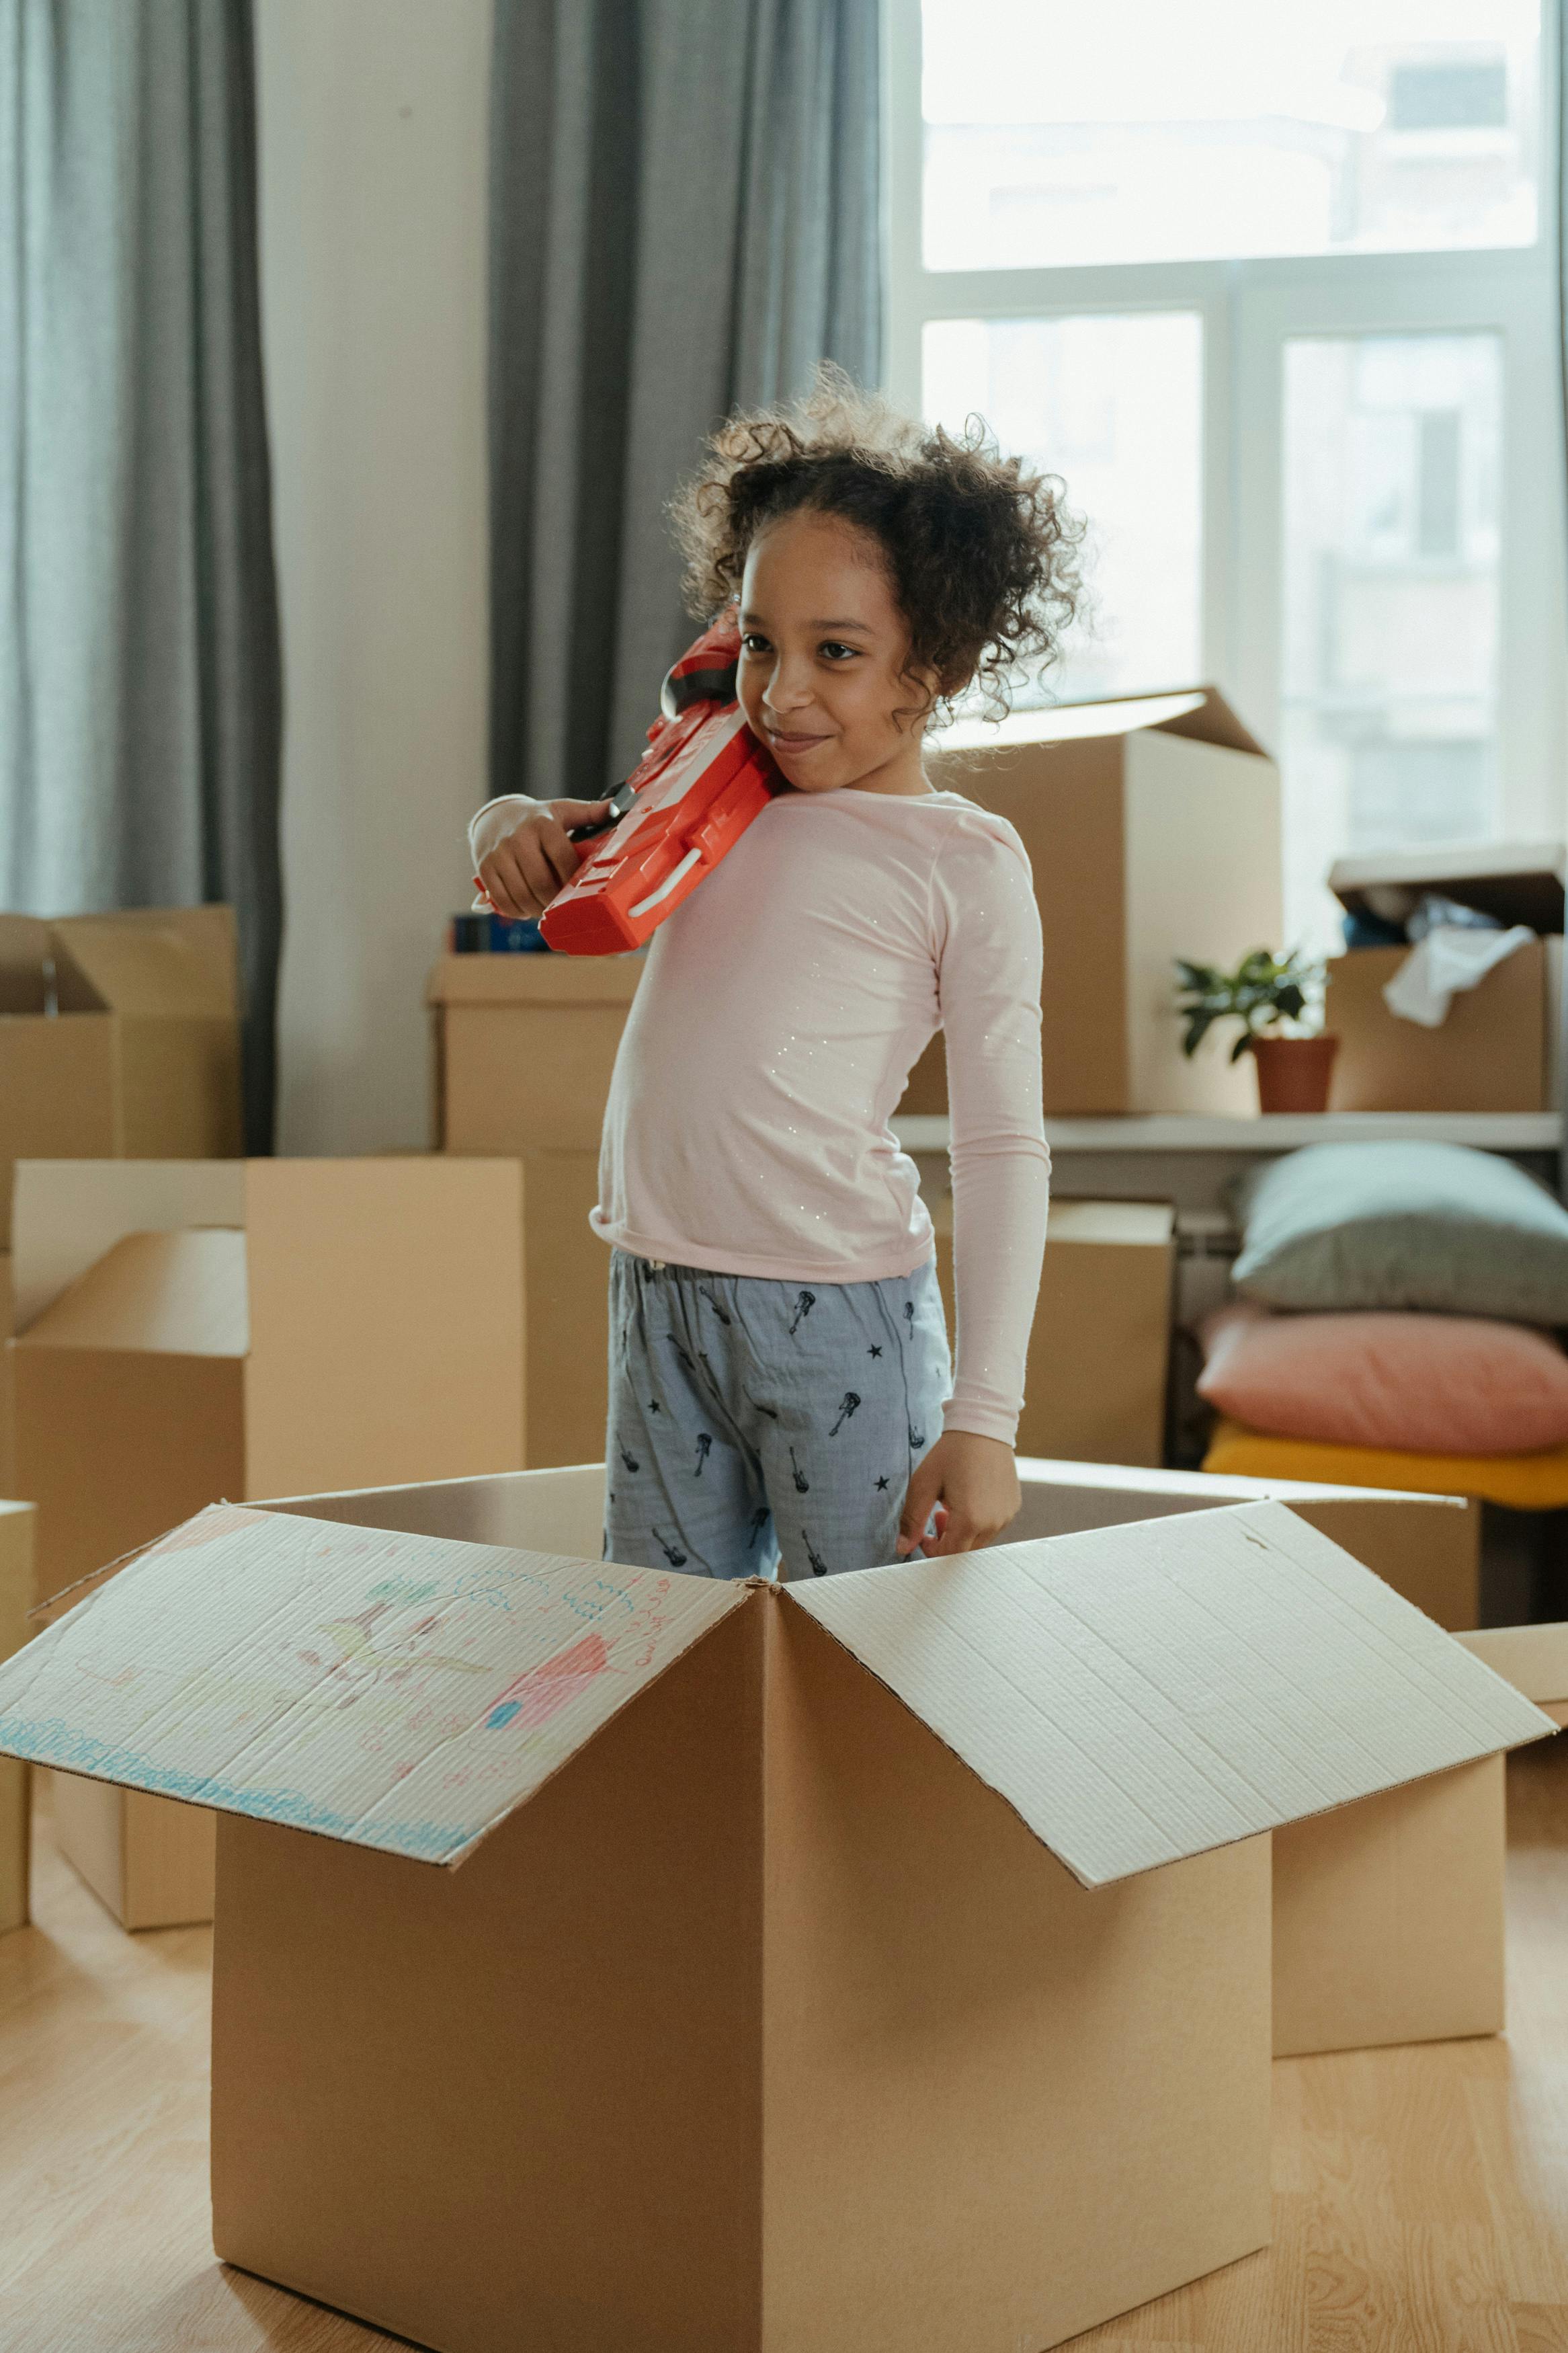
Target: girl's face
{"type": "Point", "coordinates": [822, 648]}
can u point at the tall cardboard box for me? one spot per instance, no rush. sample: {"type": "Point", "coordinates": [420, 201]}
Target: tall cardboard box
{"type": "Point", "coordinates": [1153, 826]}
{"type": "Point", "coordinates": [1497, 1051]}
{"type": "Point", "coordinates": [17, 1522]}
{"type": "Point", "coordinates": [1100, 1345]}
{"type": "Point", "coordinates": [930, 1905]}
{"type": "Point", "coordinates": [292, 1321]}
{"type": "Point", "coordinates": [524, 1049]}
{"type": "Point", "coordinates": [118, 1038]}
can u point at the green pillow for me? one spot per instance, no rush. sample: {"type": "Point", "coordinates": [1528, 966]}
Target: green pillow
{"type": "Point", "coordinates": [1403, 1225]}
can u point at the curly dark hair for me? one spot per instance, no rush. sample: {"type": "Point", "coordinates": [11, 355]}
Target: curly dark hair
{"type": "Point", "coordinates": [983, 552]}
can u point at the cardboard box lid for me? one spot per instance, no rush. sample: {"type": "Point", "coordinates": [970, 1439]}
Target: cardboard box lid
{"type": "Point", "coordinates": [1137, 1696]}
{"type": "Point", "coordinates": [1142, 1694]}
{"type": "Point", "coordinates": [564, 980]}
{"type": "Point", "coordinates": [242, 1660]}
{"type": "Point", "coordinates": [1534, 1659]}
{"type": "Point", "coordinates": [66, 1214]}
{"type": "Point", "coordinates": [1201, 712]}
{"type": "Point", "coordinates": [1516, 882]}
{"type": "Point", "coordinates": [180, 1293]}
{"type": "Point", "coordinates": [153, 970]}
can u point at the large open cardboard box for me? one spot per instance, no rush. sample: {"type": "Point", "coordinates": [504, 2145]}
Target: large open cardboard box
{"type": "Point", "coordinates": [926, 1911]}
{"type": "Point", "coordinates": [1388, 1915]}
{"type": "Point", "coordinates": [118, 1038]}
{"type": "Point", "coordinates": [1152, 826]}
{"type": "Point", "coordinates": [15, 1600]}
{"type": "Point", "coordinates": [1497, 1051]}
{"type": "Point", "coordinates": [191, 1331]}
{"type": "Point", "coordinates": [1099, 1347]}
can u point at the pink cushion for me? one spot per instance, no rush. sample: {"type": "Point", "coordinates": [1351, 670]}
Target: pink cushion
{"type": "Point", "coordinates": [1427, 1384]}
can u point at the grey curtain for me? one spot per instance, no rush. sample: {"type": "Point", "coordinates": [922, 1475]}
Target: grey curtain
{"type": "Point", "coordinates": [140, 693]}
{"type": "Point", "coordinates": [684, 214]}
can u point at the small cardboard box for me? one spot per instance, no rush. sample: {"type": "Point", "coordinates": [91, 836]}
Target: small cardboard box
{"type": "Point", "coordinates": [118, 1038]}
{"type": "Point", "coordinates": [1388, 1917]}
{"type": "Point", "coordinates": [1497, 1051]}
{"type": "Point", "coordinates": [524, 1048]}
{"type": "Point", "coordinates": [17, 1522]}
{"type": "Point", "coordinates": [934, 1897]}
{"type": "Point", "coordinates": [1152, 826]}
{"type": "Point", "coordinates": [1534, 1659]}
{"type": "Point", "coordinates": [199, 1330]}
{"type": "Point", "coordinates": [1099, 1347]}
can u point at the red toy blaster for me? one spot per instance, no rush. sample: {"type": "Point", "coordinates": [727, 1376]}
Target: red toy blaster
{"type": "Point", "coordinates": [697, 787]}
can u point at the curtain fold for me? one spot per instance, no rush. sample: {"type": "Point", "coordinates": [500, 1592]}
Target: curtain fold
{"type": "Point", "coordinates": [139, 685]}
{"type": "Point", "coordinates": [684, 216]}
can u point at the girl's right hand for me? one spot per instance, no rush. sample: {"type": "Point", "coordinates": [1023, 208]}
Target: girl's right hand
{"type": "Point", "coordinates": [523, 873]}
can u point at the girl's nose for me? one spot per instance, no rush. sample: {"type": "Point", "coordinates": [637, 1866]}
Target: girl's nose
{"type": "Point", "coordinates": [786, 690]}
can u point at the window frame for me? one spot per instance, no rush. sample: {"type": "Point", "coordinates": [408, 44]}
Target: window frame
{"type": "Point", "coordinates": [1249, 309]}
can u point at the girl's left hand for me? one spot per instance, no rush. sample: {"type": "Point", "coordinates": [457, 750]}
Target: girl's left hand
{"type": "Point", "coordinates": [972, 1485]}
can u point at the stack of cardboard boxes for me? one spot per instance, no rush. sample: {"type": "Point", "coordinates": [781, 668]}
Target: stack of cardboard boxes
{"type": "Point", "coordinates": [193, 1330]}
{"type": "Point", "coordinates": [118, 1038]}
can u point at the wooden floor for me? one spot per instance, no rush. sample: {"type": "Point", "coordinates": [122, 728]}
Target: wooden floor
{"type": "Point", "coordinates": [1421, 2194]}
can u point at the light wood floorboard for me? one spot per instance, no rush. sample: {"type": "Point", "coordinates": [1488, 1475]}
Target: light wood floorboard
{"type": "Point", "coordinates": [1421, 2194]}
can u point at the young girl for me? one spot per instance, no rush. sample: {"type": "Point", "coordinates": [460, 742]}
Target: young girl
{"type": "Point", "coordinates": [779, 1373]}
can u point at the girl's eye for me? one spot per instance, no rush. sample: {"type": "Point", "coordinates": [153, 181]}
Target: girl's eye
{"type": "Point", "coordinates": [837, 652]}
{"type": "Point", "coordinates": [752, 643]}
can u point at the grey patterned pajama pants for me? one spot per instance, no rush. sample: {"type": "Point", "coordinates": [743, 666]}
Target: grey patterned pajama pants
{"type": "Point", "coordinates": [752, 1419]}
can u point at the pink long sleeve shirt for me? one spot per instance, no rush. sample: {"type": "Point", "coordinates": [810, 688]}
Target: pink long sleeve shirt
{"type": "Point", "coordinates": [748, 1128]}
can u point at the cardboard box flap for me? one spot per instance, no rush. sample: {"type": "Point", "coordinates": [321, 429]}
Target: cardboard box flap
{"type": "Point", "coordinates": [23, 954]}
{"type": "Point", "coordinates": [392, 1691]}
{"type": "Point", "coordinates": [210, 932]}
{"type": "Point", "coordinates": [1513, 881]}
{"type": "Point", "coordinates": [168, 1293]}
{"type": "Point", "coordinates": [1199, 711]}
{"type": "Point", "coordinates": [1533, 1659]}
{"type": "Point", "coordinates": [152, 971]}
{"type": "Point", "coordinates": [1143, 1694]}
{"type": "Point", "coordinates": [67, 1213]}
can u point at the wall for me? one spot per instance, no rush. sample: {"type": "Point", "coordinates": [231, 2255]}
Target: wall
{"type": "Point", "coordinates": [373, 142]}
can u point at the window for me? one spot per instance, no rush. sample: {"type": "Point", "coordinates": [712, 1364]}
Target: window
{"type": "Point", "coordinates": [1270, 290]}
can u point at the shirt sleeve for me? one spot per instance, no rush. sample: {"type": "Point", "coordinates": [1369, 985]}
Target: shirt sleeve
{"type": "Point", "coordinates": [988, 985]}
{"type": "Point", "coordinates": [493, 823]}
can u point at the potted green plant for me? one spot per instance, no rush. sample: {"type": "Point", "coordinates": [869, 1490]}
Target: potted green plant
{"type": "Point", "coordinates": [1275, 998]}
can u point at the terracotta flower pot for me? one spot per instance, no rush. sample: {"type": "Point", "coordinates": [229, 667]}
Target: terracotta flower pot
{"type": "Point", "coordinates": [1293, 1073]}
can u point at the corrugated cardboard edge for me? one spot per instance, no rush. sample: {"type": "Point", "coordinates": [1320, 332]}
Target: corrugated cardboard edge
{"type": "Point", "coordinates": [1547, 1724]}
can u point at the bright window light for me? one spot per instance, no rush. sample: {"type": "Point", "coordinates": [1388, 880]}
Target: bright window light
{"type": "Point", "coordinates": [1114, 405]}
{"type": "Point", "coordinates": [1389, 667]}
{"type": "Point", "coordinates": [1135, 130]}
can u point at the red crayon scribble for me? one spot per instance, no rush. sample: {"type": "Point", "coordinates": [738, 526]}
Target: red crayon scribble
{"type": "Point", "coordinates": [543, 1691]}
